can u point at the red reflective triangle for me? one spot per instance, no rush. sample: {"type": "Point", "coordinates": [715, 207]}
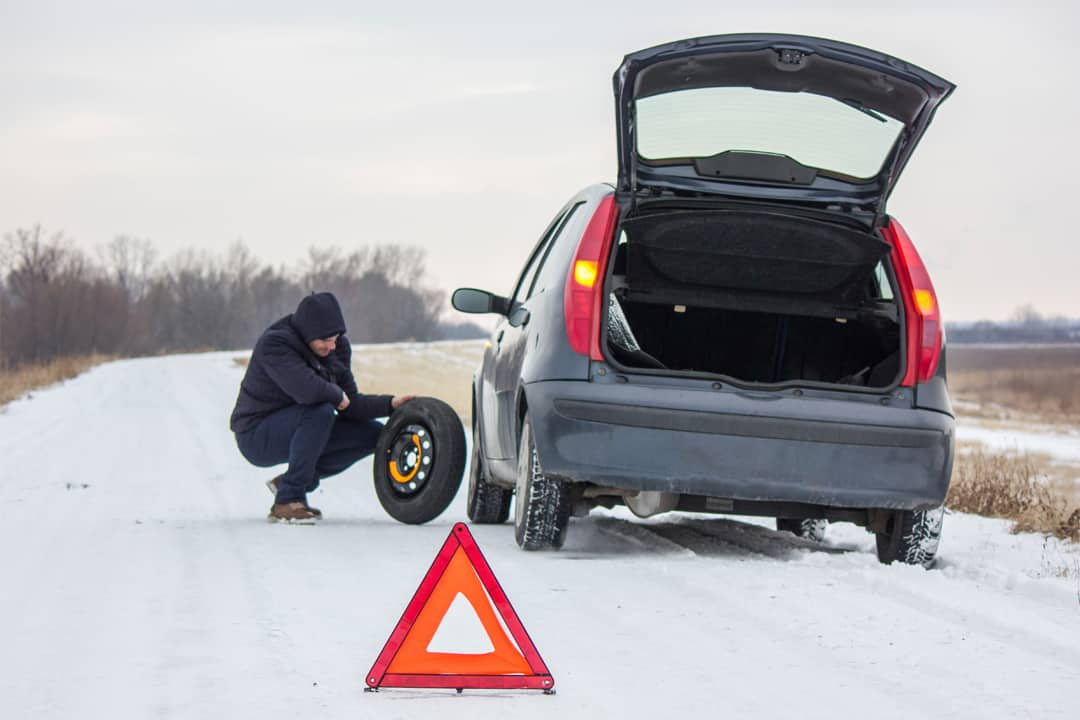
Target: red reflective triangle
{"type": "Point", "coordinates": [459, 567]}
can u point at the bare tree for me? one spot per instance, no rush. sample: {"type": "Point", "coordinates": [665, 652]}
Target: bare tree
{"type": "Point", "coordinates": [30, 262]}
{"type": "Point", "coordinates": [130, 261]}
{"type": "Point", "coordinates": [57, 300]}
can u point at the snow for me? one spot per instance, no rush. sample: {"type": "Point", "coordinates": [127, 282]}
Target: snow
{"type": "Point", "coordinates": [141, 579]}
{"type": "Point", "coordinates": [460, 631]}
{"type": "Point", "coordinates": [1063, 446]}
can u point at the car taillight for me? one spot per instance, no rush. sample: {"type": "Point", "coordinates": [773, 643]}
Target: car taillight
{"type": "Point", "coordinates": [920, 306]}
{"type": "Point", "coordinates": [584, 284]}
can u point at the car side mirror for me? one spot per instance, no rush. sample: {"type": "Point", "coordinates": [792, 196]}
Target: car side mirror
{"type": "Point", "coordinates": [471, 300]}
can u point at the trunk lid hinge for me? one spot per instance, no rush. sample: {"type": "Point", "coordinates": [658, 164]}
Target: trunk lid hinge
{"type": "Point", "coordinates": [626, 199]}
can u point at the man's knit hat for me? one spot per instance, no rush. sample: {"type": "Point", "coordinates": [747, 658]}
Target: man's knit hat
{"type": "Point", "coordinates": [318, 316]}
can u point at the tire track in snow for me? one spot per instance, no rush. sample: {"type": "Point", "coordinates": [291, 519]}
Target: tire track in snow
{"type": "Point", "coordinates": [874, 598]}
{"type": "Point", "coordinates": [618, 535]}
{"type": "Point", "coordinates": [1012, 630]}
{"type": "Point", "coordinates": [755, 626]}
{"type": "Point", "coordinates": [705, 537]}
{"type": "Point", "coordinates": [245, 605]}
{"type": "Point", "coordinates": [754, 539]}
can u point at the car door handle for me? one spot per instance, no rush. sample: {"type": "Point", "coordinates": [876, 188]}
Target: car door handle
{"type": "Point", "coordinates": [520, 317]}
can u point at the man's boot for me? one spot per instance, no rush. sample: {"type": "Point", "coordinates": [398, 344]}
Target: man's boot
{"type": "Point", "coordinates": [296, 513]}
{"type": "Point", "coordinates": [272, 486]}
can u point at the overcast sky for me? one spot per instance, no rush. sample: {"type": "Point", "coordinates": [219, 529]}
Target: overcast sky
{"type": "Point", "coordinates": [463, 127]}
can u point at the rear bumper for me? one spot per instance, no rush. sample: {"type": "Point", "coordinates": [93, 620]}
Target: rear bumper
{"type": "Point", "coordinates": [826, 452]}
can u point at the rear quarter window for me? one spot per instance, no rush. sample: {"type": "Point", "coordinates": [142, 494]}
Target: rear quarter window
{"type": "Point", "coordinates": [884, 289]}
{"type": "Point", "coordinates": [561, 251]}
{"type": "Point", "coordinates": [523, 287]}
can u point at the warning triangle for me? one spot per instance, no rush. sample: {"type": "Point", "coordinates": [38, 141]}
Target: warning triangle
{"type": "Point", "coordinates": [460, 572]}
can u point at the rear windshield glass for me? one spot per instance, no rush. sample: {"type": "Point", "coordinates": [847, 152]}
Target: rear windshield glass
{"type": "Point", "coordinates": [815, 130]}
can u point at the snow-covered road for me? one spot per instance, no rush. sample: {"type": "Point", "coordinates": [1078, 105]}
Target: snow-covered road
{"type": "Point", "coordinates": [140, 579]}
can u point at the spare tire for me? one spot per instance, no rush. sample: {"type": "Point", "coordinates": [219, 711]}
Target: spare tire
{"type": "Point", "coordinates": [419, 460]}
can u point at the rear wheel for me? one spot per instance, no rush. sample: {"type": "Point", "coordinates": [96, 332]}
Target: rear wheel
{"type": "Point", "coordinates": [911, 537]}
{"type": "Point", "coordinates": [542, 507]}
{"type": "Point", "coordinates": [488, 504]}
{"type": "Point", "coordinates": [419, 460]}
{"type": "Point", "coordinates": [808, 529]}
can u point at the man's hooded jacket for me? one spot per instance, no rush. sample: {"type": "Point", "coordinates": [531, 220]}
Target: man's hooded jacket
{"type": "Point", "coordinates": [284, 371]}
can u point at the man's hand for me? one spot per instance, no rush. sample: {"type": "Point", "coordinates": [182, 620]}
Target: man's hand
{"type": "Point", "coordinates": [344, 403]}
{"type": "Point", "coordinates": [399, 400]}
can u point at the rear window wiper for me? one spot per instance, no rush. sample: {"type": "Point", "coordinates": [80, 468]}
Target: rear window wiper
{"type": "Point", "coordinates": [863, 109]}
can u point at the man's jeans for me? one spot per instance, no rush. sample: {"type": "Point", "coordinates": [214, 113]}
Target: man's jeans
{"type": "Point", "coordinates": [315, 442]}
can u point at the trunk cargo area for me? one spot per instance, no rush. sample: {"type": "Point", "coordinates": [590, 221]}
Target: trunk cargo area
{"type": "Point", "coordinates": [757, 297]}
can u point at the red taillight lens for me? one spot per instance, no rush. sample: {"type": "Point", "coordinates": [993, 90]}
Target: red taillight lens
{"type": "Point", "coordinates": [920, 306]}
{"type": "Point", "coordinates": [585, 281]}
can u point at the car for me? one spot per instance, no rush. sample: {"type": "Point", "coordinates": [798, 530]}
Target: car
{"type": "Point", "coordinates": [736, 326]}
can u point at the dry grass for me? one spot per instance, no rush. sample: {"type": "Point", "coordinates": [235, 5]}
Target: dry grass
{"type": "Point", "coordinates": [1051, 394]}
{"type": "Point", "coordinates": [1013, 357]}
{"type": "Point", "coordinates": [1014, 487]}
{"type": "Point", "coordinates": [16, 383]}
{"type": "Point", "coordinates": [1028, 385]}
{"type": "Point", "coordinates": [443, 370]}
{"type": "Point", "coordinates": [1024, 383]}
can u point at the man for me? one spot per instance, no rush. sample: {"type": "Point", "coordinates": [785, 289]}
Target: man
{"type": "Point", "coordinates": [299, 404]}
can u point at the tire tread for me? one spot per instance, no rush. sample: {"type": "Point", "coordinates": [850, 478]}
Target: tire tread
{"type": "Point", "coordinates": [489, 504]}
{"type": "Point", "coordinates": [546, 514]}
{"type": "Point", "coordinates": [919, 535]}
{"type": "Point", "coordinates": [807, 528]}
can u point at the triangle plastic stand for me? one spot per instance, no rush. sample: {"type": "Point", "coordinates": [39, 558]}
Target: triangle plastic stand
{"type": "Point", "coordinates": [460, 568]}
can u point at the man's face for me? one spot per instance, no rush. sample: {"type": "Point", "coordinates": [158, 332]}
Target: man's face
{"type": "Point", "coordinates": [323, 347]}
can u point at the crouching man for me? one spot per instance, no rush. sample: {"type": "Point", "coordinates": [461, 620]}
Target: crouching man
{"type": "Point", "coordinates": [299, 404]}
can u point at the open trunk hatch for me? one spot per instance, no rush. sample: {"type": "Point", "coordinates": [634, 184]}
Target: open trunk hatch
{"type": "Point", "coordinates": [778, 117]}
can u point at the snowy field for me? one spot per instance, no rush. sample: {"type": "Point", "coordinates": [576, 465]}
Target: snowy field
{"type": "Point", "coordinates": [142, 580]}
{"type": "Point", "coordinates": [1059, 444]}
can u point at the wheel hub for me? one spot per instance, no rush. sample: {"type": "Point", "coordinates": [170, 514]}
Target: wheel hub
{"type": "Point", "coordinates": [410, 457]}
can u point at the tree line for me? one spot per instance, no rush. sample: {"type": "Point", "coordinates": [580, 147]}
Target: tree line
{"type": "Point", "coordinates": [57, 299]}
{"type": "Point", "coordinates": [1027, 325]}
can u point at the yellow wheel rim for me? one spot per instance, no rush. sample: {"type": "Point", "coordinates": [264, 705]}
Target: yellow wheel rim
{"type": "Point", "coordinates": [393, 466]}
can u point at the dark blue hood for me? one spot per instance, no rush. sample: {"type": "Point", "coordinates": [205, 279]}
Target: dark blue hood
{"type": "Point", "coordinates": [318, 316]}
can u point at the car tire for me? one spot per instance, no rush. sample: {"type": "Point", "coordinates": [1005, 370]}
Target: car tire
{"type": "Point", "coordinates": [911, 537]}
{"type": "Point", "coordinates": [419, 460]}
{"type": "Point", "coordinates": [488, 504]}
{"type": "Point", "coordinates": [542, 506]}
{"type": "Point", "coordinates": [807, 529]}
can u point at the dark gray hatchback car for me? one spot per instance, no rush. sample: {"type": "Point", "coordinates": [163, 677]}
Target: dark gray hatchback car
{"type": "Point", "coordinates": [737, 326]}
